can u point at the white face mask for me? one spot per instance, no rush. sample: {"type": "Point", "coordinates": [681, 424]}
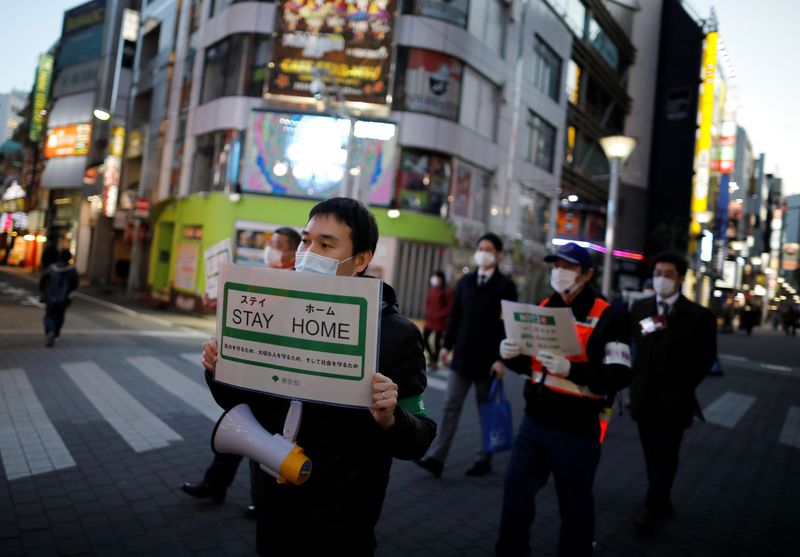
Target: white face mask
{"type": "Point", "coordinates": [272, 256]}
{"type": "Point", "coordinates": [664, 287]}
{"type": "Point", "coordinates": [310, 262]}
{"type": "Point", "coordinates": [435, 282]}
{"type": "Point", "coordinates": [563, 280]}
{"type": "Point", "coordinates": [483, 258]}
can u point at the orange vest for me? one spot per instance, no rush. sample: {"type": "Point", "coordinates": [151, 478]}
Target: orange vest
{"type": "Point", "coordinates": [584, 330]}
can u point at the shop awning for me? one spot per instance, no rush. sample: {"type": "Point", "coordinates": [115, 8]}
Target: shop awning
{"type": "Point", "coordinates": [64, 172]}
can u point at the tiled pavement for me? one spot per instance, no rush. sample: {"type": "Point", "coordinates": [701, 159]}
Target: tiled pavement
{"type": "Point", "coordinates": [738, 489]}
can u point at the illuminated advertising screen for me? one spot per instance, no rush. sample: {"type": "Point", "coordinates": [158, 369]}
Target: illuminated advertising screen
{"type": "Point", "coordinates": [351, 40]}
{"type": "Point", "coordinates": [304, 155]}
{"type": "Point", "coordinates": [68, 141]}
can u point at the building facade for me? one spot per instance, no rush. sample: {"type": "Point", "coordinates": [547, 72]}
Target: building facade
{"type": "Point", "coordinates": [10, 106]}
{"type": "Point", "coordinates": [476, 103]}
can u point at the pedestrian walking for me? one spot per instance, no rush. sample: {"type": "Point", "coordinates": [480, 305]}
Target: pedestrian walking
{"type": "Point", "coordinates": [676, 346]}
{"type": "Point", "coordinates": [279, 254]}
{"type": "Point", "coordinates": [336, 510]}
{"type": "Point", "coordinates": [473, 333]}
{"type": "Point", "coordinates": [56, 286]}
{"type": "Point", "coordinates": [437, 308]}
{"type": "Point", "coordinates": [564, 401]}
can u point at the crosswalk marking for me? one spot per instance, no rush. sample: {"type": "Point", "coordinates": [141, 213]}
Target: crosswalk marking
{"type": "Point", "coordinates": [728, 409]}
{"type": "Point", "coordinates": [29, 444]}
{"type": "Point", "coordinates": [790, 434]}
{"type": "Point", "coordinates": [192, 357]}
{"type": "Point", "coordinates": [159, 333]}
{"type": "Point", "coordinates": [139, 427]}
{"type": "Point", "coordinates": [168, 378]}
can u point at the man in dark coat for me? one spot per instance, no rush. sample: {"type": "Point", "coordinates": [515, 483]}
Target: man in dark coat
{"type": "Point", "coordinates": [474, 332]}
{"type": "Point", "coordinates": [56, 286]}
{"type": "Point", "coordinates": [335, 511]}
{"type": "Point", "coordinates": [676, 346]}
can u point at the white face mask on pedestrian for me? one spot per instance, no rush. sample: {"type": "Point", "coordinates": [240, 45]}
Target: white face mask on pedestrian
{"type": "Point", "coordinates": [563, 280]}
{"type": "Point", "coordinates": [310, 262]}
{"type": "Point", "coordinates": [435, 282]}
{"type": "Point", "coordinates": [272, 256]}
{"type": "Point", "coordinates": [483, 258]}
{"type": "Point", "coordinates": [664, 286]}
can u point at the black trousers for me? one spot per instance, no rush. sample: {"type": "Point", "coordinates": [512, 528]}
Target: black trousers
{"type": "Point", "coordinates": [222, 470]}
{"type": "Point", "coordinates": [661, 445]}
{"type": "Point", "coordinates": [54, 317]}
{"type": "Point", "coordinates": [437, 342]}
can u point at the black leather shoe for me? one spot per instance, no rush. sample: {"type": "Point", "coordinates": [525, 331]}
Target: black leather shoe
{"type": "Point", "coordinates": [480, 468]}
{"type": "Point", "coordinates": [204, 491]}
{"type": "Point", "coordinates": [432, 465]}
{"type": "Point", "coordinates": [250, 512]}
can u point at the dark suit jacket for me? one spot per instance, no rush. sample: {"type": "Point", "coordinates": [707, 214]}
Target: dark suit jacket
{"type": "Point", "coordinates": [474, 329]}
{"type": "Point", "coordinates": [669, 364]}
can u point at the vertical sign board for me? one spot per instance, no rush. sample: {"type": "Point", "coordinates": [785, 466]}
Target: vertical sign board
{"type": "Point", "coordinates": [40, 95]}
{"type": "Point", "coordinates": [298, 335]}
{"type": "Point", "coordinates": [186, 266]}
{"type": "Point", "coordinates": [703, 147]}
{"type": "Point", "coordinates": [351, 40]}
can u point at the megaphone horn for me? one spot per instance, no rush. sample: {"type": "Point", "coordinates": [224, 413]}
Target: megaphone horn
{"type": "Point", "coordinates": [238, 432]}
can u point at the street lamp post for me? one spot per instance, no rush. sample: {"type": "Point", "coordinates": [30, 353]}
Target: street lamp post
{"type": "Point", "coordinates": [617, 149]}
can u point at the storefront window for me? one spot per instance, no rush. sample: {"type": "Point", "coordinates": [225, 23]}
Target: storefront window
{"type": "Point", "coordinates": [468, 196]}
{"type": "Point", "coordinates": [216, 161]}
{"type": "Point", "coordinates": [235, 66]}
{"type": "Point", "coordinates": [423, 181]}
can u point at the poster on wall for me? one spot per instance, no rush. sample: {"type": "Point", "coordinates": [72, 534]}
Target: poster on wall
{"type": "Point", "coordinates": [352, 40]}
{"type": "Point", "coordinates": [186, 266]}
{"type": "Point", "coordinates": [429, 82]}
{"type": "Point", "coordinates": [305, 155]}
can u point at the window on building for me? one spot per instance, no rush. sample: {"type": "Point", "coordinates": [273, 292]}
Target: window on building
{"type": "Point", "coordinates": [487, 21]}
{"type": "Point", "coordinates": [542, 141]}
{"type": "Point", "coordinates": [573, 12]}
{"type": "Point", "coordinates": [469, 193]}
{"type": "Point", "coordinates": [601, 42]}
{"type": "Point", "coordinates": [423, 181]}
{"type": "Point", "coordinates": [218, 6]}
{"type": "Point", "coordinates": [535, 215]}
{"type": "Point", "coordinates": [235, 66]}
{"type": "Point", "coordinates": [150, 45]}
{"type": "Point", "coordinates": [479, 98]}
{"type": "Point", "coordinates": [573, 88]}
{"type": "Point", "coordinates": [452, 11]}
{"type": "Point", "coordinates": [546, 69]}
{"type": "Point", "coordinates": [216, 163]}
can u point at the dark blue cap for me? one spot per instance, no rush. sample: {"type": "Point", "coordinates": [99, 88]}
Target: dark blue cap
{"type": "Point", "coordinates": [574, 254]}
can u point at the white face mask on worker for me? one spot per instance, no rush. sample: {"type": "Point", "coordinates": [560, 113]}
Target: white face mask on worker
{"type": "Point", "coordinates": [310, 262]}
{"type": "Point", "coordinates": [563, 280]}
{"type": "Point", "coordinates": [664, 287]}
{"type": "Point", "coordinates": [483, 258]}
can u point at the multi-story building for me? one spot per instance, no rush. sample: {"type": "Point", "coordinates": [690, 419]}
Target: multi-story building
{"type": "Point", "coordinates": [599, 70]}
{"type": "Point", "coordinates": [85, 133]}
{"type": "Point", "coordinates": [10, 106]}
{"type": "Point", "coordinates": [790, 256]}
{"type": "Point", "coordinates": [466, 133]}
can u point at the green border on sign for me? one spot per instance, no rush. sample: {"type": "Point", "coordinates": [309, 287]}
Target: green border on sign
{"type": "Point", "coordinates": [292, 342]}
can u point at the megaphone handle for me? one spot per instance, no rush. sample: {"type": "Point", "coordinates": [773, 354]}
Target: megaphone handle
{"type": "Point", "coordinates": [291, 427]}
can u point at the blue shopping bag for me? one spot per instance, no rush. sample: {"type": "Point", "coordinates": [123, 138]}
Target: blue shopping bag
{"type": "Point", "coordinates": [496, 423]}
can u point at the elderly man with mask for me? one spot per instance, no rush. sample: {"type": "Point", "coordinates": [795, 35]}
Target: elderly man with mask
{"type": "Point", "coordinates": [564, 400]}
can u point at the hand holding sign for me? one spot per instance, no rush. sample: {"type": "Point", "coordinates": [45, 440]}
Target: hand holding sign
{"type": "Point", "coordinates": [209, 357]}
{"type": "Point", "coordinates": [384, 400]}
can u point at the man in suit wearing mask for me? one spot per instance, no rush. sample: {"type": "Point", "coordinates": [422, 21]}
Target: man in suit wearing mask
{"type": "Point", "coordinates": [676, 346]}
{"type": "Point", "coordinates": [474, 331]}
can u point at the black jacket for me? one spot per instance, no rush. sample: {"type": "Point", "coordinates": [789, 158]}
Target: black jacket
{"type": "Point", "coordinates": [57, 283]}
{"type": "Point", "coordinates": [572, 413]}
{"type": "Point", "coordinates": [474, 329]}
{"type": "Point", "coordinates": [351, 455]}
{"type": "Point", "coordinates": [669, 364]}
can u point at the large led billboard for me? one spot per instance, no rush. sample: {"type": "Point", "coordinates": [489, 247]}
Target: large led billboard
{"type": "Point", "coordinates": [305, 155]}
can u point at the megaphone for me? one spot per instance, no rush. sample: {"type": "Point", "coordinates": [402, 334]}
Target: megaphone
{"type": "Point", "coordinates": [238, 432]}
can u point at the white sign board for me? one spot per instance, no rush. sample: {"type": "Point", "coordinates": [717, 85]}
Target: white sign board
{"type": "Point", "coordinates": [535, 328]}
{"type": "Point", "coordinates": [298, 335]}
{"type": "Point", "coordinates": [214, 256]}
{"type": "Point", "coordinates": [186, 266]}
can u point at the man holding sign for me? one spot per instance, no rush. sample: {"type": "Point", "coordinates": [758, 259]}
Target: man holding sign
{"type": "Point", "coordinates": [351, 447]}
{"type": "Point", "coordinates": [567, 393]}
